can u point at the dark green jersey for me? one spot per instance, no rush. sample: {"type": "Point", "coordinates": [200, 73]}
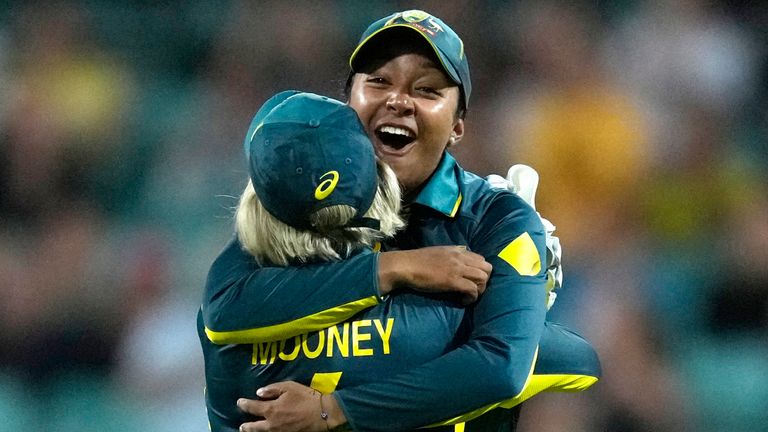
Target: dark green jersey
{"type": "Point", "coordinates": [395, 364]}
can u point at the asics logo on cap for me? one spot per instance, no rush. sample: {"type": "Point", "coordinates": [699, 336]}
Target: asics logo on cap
{"type": "Point", "coordinates": [327, 186]}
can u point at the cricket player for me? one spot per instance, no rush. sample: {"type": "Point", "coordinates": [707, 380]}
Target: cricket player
{"type": "Point", "coordinates": [316, 193]}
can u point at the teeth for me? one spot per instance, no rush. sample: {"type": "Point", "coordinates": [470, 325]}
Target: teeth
{"type": "Point", "coordinates": [396, 131]}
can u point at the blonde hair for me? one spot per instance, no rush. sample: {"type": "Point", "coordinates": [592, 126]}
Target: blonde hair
{"type": "Point", "coordinates": [270, 240]}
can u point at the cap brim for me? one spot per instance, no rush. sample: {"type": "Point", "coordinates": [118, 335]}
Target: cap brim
{"type": "Point", "coordinates": [447, 66]}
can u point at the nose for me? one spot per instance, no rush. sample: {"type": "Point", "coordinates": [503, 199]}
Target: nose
{"type": "Point", "coordinates": [400, 103]}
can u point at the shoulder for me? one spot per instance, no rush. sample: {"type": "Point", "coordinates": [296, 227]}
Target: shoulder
{"type": "Point", "coordinates": [490, 206]}
{"type": "Point", "coordinates": [231, 263]}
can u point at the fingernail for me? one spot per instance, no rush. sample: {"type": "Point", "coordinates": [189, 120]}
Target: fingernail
{"type": "Point", "coordinates": [260, 392]}
{"type": "Point", "coordinates": [240, 403]}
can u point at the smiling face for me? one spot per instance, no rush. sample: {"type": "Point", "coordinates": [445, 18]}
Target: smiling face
{"type": "Point", "coordinates": [408, 106]}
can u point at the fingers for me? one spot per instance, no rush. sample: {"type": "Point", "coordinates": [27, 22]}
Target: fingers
{"type": "Point", "coordinates": [272, 391]}
{"type": "Point", "coordinates": [251, 406]}
{"type": "Point", "coordinates": [266, 393]}
{"type": "Point", "coordinates": [476, 277]}
{"type": "Point", "coordinates": [474, 282]}
{"type": "Point", "coordinates": [469, 273]}
{"type": "Point", "coordinates": [437, 269]}
{"type": "Point", "coordinates": [477, 261]}
{"type": "Point", "coordinates": [294, 407]}
{"type": "Point", "coordinates": [257, 426]}
{"type": "Point", "coordinates": [476, 272]}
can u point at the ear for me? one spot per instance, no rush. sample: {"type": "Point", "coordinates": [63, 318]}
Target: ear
{"type": "Point", "coordinates": [457, 133]}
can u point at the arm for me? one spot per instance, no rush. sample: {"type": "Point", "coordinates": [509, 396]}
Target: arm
{"type": "Point", "coordinates": [498, 358]}
{"type": "Point", "coordinates": [492, 366]}
{"type": "Point", "coordinates": [245, 302]}
{"type": "Point", "coordinates": [523, 181]}
{"type": "Point", "coordinates": [566, 363]}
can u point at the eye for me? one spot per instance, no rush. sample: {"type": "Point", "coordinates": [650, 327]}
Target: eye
{"type": "Point", "coordinates": [430, 91]}
{"type": "Point", "coordinates": [372, 79]}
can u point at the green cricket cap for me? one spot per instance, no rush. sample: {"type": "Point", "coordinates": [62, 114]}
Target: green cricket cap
{"type": "Point", "coordinates": [306, 152]}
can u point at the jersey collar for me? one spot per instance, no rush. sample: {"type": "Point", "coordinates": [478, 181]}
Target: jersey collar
{"type": "Point", "coordinates": [442, 189]}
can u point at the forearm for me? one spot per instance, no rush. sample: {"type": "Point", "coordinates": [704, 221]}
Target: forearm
{"type": "Point", "coordinates": [245, 302]}
{"type": "Point", "coordinates": [497, 359]}
{"type": "Point", "coordinates": [491, 367]}
{"type": "Point", "coordinates": [436, 392]}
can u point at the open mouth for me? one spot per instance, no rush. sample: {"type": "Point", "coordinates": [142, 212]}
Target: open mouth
{"type": "Point", "coordinates": [396, 138]}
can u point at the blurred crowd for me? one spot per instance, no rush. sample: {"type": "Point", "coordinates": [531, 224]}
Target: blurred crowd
{"type": "Point", "coordinates": [121, 129]}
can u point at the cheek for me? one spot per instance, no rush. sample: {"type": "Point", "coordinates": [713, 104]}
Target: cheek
{"type": "Point", "coordinates": [359, 100]}
{"type": "Point", "coordinates": [364, 109]}
{"type": "Point", "coordinates": [356, 99]}
{"type": "Point", "coordinates": [441, 119]}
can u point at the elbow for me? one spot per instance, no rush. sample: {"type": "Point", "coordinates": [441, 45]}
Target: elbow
{"type": "Point", "coordinates": [211, 319]}
{"type": "Point", "coordinates": [213, 326]}
{"type": "Point", "coordinates": [513, 381]}
{"type": "Point", "coordinates": [511, 366]}
{"type": "Point", "coordinates": [220, 304]}
{"type": "Point", "coordinates": [217, 336]}
{"type": "Point", "coordinates": [218, 321]}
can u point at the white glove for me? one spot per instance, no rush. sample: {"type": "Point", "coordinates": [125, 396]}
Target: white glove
{"type": "Point", "coordinates": [523, 180]}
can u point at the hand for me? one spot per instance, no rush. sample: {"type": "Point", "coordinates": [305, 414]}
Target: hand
{"type": "Point", "coordinates": [523, 180]}
{"type": "Point", "coordinates": [435, 269]}
{"type": "Point", "coordinates": [291, 407]}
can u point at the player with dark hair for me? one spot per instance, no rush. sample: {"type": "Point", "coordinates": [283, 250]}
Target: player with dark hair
{"type": "Point", "coordinates": [432, 366]}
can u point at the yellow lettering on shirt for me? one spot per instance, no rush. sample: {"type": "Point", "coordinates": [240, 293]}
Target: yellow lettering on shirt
{"type": "Point", "coordinates": [309, 353]}
{"type": "Point", "coordinates": [358, 337]}
{"type": "Point", "coordinates": [333, 341]}
{"type": "Point", "coordinates": [293, 354]}
{"type": "Point", "coordinates": [264, 353]}
{"type": "Point", "coordinates": [385, 333]}
{"type": "Point", "coordinates": [341, 340]}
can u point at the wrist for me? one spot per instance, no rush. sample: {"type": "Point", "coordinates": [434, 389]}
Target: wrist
{"type": "Point", "coordinates": [331, 412]}
{"type": "Point", "coordinates": [388, 272]}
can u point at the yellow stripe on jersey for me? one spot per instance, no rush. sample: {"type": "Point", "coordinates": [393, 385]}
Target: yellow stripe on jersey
{"type": "Point", "coordinates": [522, 254]}
{"type": "Point", "coordinates": [556, 382]}
{"type": "Point", "coordinates": [570, 383]}
{"type": "Point", "coordinates": [309, 323]}
{"type": "Point", "coordinates": [456, 206]}
{"type": "Point", "coordinates": [480, 411]}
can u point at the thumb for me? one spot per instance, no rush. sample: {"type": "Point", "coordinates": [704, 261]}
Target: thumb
{"type": "Point", "coordinates": [525, 180]}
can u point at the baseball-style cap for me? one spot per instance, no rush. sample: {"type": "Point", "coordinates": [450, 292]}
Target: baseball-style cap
{"type": "Point", "coordinates": [444, 41]}
{"type": "Point", "coordinates": [307, 152]}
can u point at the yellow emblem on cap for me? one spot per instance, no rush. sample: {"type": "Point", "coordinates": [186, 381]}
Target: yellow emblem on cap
{"type": "Point", "coordinates": [521, 253]}
{"type": "Point", "coordinates": [326, 186]}
{"type": "Point", "coordinates": [414, 15]}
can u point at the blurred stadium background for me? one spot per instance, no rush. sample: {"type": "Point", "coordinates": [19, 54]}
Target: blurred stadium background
{"type": "Point", "coordinates": [121, 126]}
